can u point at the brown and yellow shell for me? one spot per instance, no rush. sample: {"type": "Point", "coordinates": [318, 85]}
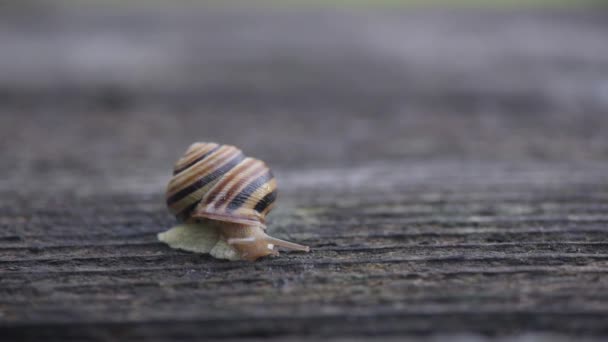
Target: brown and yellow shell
{"type": "Point", "coordinates": [218, 182]}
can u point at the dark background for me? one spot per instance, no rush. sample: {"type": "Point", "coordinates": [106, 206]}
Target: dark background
{"type": "Point", "coordinates": [448, 166]}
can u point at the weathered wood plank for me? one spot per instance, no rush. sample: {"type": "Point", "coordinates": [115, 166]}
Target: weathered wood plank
{"type": "Point", "coordinates": [448, 170]}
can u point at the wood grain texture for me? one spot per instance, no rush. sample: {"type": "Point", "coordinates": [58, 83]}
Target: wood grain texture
{"type": "Point", "coordinates": [448, 169]}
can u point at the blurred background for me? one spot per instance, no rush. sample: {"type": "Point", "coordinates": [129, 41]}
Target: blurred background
{"type": "Point", "coordinates": [109, 89]}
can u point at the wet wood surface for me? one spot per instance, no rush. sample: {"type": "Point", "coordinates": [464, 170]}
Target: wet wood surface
{"type": "Point", "coordinates": [448, 169]}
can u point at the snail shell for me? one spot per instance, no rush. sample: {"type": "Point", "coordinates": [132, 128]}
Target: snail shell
{"type": "Point", "coordinates": [222, 198]}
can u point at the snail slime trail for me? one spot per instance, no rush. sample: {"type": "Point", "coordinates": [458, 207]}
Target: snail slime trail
{"type": "Point", "coordinates": [221, 198]}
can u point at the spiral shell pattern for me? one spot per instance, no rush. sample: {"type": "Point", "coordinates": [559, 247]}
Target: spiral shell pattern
{"type": "Point", "coordinates": [218, 182]}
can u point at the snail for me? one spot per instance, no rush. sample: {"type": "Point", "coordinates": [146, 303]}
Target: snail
{"type": "Point", "coordinates": [222, 198]}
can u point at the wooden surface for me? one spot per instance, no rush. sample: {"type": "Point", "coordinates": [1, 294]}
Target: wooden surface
{"type": "Point", "coordinates": [448, 168]}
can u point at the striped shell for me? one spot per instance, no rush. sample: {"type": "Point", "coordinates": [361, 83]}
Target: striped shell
{"type": "Point", "coordinates": [218, 182]}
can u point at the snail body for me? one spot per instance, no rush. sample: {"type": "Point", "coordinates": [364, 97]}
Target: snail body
{"type": "Point", "coordinates": [222, 198]}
